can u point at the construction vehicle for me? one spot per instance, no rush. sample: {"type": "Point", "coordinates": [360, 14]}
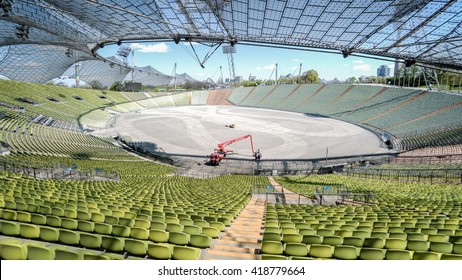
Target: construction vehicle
{"type": "Point", "coordinates": [220, 153]}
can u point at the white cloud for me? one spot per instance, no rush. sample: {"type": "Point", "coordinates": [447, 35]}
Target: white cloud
{"type": "Point", "coordinates": [297, 60]}
{"type": "Point", "coordinates": [267, 67]}
{"type": "Point", "coordinates": [151, 48]}
{"type": "Point", "coordinates": [346, 65]}
{"type": "Point", "coordinates": [188, 43]}
{"type": "Point", "coordinates": [362, 67]}
{"type": "Point", "coordinates": [358, 61]}
{"type": "Point", "coordinates": [200, 74]}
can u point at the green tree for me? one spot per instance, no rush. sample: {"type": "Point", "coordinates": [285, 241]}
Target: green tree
{"type": "Point", "coordinates": [96, 84]}
{"type": "Point", "coordinates": [311, 76]}
{"type": "Point", "coordinates": [117, 86]}
{"type": "Point", "coordinates": [351, 80]}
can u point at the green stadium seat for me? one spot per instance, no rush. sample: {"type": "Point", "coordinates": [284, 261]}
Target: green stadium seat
{"type": "Point", "coordinates": [437, 238]}
{"type": "Point", "coordinates": [9, 214]}
{"type": "Point", "coordinates": [271, 236]}
{"type": "Point", "coordinates": [371, 254]}
{"type": "Point", "coordinates": [396, 254]}
{"type": "Point", "coordinates": [103, 228]}
{"type": "Point", "coordinates": [269, 257]}
{"type": "Point", "coordinates": [345, 252]}
{"type": "Point", "coordinates": [112, 244]}
{"type": "Point", "coordinates": [332, 240]}
{"type": "Point", "coordinates": [56, 211]}
{"type": "Point", "coordinates": [218, 225]}
{"type": "Point", "coordinates": [174, 227]}
{"type": "Point", "coordinates": [312, 239]}
{"type": "Point", "coordinates": [9, 228]}
{"type": "Point", "coordinates": [121, 231]}
{"type": "Point", "coordinates": [38, 219]}
{"type": "Point", "coordinates": [447, 257]}
{"type": "Point", "coordinates": [86, 226]}
{"type": "Point", "coordinates": [158, 236]}
{"type": "Point", "coordinates": [84, 216]}
{"type": "Point", "coordinates": [272, 247]}
{"type": "Point", "coordinates": [136, 247]}
{"type": "Point", "coordinates": [417, 245]}
{"type": "Point", "coordinates": [141, 223]}
{"type": "Point", "coordinates": [139, 233]}
{"type": "Point", "coordinates": [29, 231]}
{"type": "Point", "coordinates": [178, 238]}
{"type": "Point", "coordinates": [457, 248]}
{"type": "Point", "coordinates": [112, 220]}
{"type": "Point", "coordinates": [39, 252]}
{"type": "Point", "coordinates": [68, 223]}
{"type": "Point", "coordinates": [185, 253]}
{"type": "Point", "coordinates": [295, 249]}
{"type": "Point", "coordinates": [321, 251]}
{"type": "Point", "coordinates": [192, 229]}
{"type": "Point", "coordinates": [24, 217]}
{"type": "Point", "coordinates": [49, 234]}
{"type": "Point", "coordinates": [425, 256]}
{"type": "Point", "coordinates": [291, 238]}
{"type": "Point", "coordinates": [123, 221]}
{"type": "Point", "coordinates": [441, 247]}
{"type": "Point", "coordinates": [97, 217]}
{"type": "Point", "coordinates": [200, 241]}
{"type": "Point", "coordinates": [355, 241]}
{"type": "Point", "coordinates": [13, 252]}
{"type": "Point", "coordinates": [89, 240]}
{"type": "Point", "coordinates": [211, 231]}
{"type": "Point", "coordinates": [69, 237]}
{"type": "Point", "coordinates": [94, 256]}
{"type": "Point", "coordinates": [160, 251]}
{"type": "Point", "coordinates": [62, 253]}
{"type": "Point", "coordinates": [395, 243]}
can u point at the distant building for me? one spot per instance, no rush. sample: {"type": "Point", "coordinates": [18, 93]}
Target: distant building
{"type": "Point", "coordinates": [252, 78]}
{"type": "Point", "coordinates": [398, 68]}
{"type": "Point", "coordinates": [383, 71]}
{"type": "Point", "coordinates": [238, 79]}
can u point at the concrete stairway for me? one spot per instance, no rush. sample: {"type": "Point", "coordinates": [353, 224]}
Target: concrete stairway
{"type": "Point", "coordinates": [242, 239]}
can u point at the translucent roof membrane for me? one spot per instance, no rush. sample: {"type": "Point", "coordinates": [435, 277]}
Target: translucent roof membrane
{"type": "Point", "coordinates": [427, 31]}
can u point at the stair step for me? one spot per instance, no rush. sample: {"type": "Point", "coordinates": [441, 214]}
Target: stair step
{"type": "Point", "coordinates": [231, 254]}
{"type": "Point", "coordinates": [238, 244]}
{"type": "Point", "coordinates": [218, 257]}
{"type": "Point", "coordinates": [241, 235]}
{"type": "Point", "coordinates": [241, 239]}
{"type": "Point", "coordinates": [234, 249]}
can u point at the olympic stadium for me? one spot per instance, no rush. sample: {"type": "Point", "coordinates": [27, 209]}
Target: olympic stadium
{"type": "Point", "coordinates": [287, 170]}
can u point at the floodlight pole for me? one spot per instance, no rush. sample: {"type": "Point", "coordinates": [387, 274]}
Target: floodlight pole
{"type": "Point", "coordinates": [77, 78]}
{"type": "Point", "coordinates": [221, 73]}
{"type": "Point", "coordinates": [276, 77]}
{"type": "Point", "coordinates": [300, 74]}
{"type": "Point", "coordinates": [174, 77]}
{"type": "Point", "coordinates": [229, 50]}
{"type": "Point", "coordinates": [133, 65]}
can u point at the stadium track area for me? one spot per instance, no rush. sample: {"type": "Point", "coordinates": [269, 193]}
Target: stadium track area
{"type": "Point", "coordinates": [196, 130]}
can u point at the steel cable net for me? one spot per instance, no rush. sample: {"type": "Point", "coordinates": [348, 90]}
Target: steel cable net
{"type": "Point", "coordinates": [428, 32]}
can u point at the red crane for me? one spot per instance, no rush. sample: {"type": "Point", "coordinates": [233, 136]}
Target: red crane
{"type": "Point", "coordinates": [220, 152]}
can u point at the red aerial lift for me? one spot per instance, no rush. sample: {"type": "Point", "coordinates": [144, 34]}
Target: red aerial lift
{"type": "Point", "coordinates": [220, 152]}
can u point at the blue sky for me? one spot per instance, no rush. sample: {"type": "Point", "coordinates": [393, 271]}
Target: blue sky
{"type": "Point", "coordinates": [258, 61]}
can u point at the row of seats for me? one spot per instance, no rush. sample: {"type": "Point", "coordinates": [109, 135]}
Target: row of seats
{"type": "Point", "coordinates": [437, 245]}
{"type": "Point", "coordinates": [202, 239]}
{"type": "Point", "coordinates": [277, 250]}
{"type": "Point", "coordinates": [133, 228]}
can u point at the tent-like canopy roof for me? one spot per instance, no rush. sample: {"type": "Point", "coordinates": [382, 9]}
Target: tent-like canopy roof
{"type": "Point", "coordinates": [428, 32]}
